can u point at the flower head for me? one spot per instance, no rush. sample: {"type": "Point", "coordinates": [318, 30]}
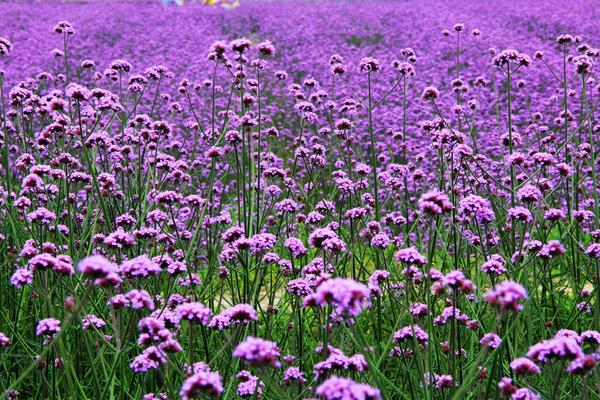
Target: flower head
{"type": "Point", "coordinates": [258, 352]}
{"type": "Point", "coordinates": [507, 295]}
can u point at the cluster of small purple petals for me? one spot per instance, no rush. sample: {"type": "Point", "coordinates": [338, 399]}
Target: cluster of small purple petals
{"type": "Point", "coordinates": [262, 242]}
{"type": "Point", "coordinates": [551, 249]}
{"type": "Point", "coordinates": [258, 352]}
{"type": "Point", "coordinates": [48, 327]}
{"type": "Point", "coordinates": [377, 278]}
{"type": "Point", "coordinates": [430, 93]}
{"type": "Point", "coordinates": [494, 265]}
{"type": "Point", "coordinates": [135, 298]}
{"type": "Point", "coordinates": [347, 297]}
{"type": "Point", "coordinates": [558, 347]}
{"type": "Point", "coordinates": [524, 394]}
{"type": "Point", "coordinates": [151, 358]}
{"type": "Point", "coordinates": [369, 64]}
{"type": "Point", "coordinates": [4, 340]}
{"type": "Point", "coordinates": [507, 295]}
{"type": "Point", "coordinates": [249, 385]}
{"type": "Point", "coordinates": [64, 27]}
{"type": "Point", "coordinates": [194, 312]}
{"type": "Point", "coordinates": [139, 267]}
{"type": "Point", "coordinates": [337, 360]}
{"type": "Point", "coordinates": [92, 322]}
{"type": "Point", "coordinates": [293, 375]}
{"type": "Point", "coordinates": [410, 256]}
{"type": "Point", "coordinates": [5, 46]}
{"type": "Point", "coordinates": [519, 214]}
{"type": "Point", "coordinates": [490, 340]}
{"type": "Point", "coordinates": [336, 388]}
{"type": "Point", "coordinates": [524, 366]}
{"type": "Point", "coordinates": [202, 383]}
{"type": "Point", "coordinates": [296, 247]}
{"type": "Point", "coordinates": [327, 239]}
{"type": "Point", "coordinates": [100, 270]}
{"type": "Point", "coordinates": [583, 365]}
{"type": "Point", "coordinates": [240, 314]}
{"type": "Point", "coordinates": [511, 56]}
{"type": "Point", "coordinates": [412, 332]}
{"type": "Point", "coordinates": [435, 203]}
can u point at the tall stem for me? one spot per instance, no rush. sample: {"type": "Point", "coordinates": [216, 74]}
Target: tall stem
{"type": "Point", "coordinates": [373, 154]}
{"type": "Point", "coordinates": [510, 137]}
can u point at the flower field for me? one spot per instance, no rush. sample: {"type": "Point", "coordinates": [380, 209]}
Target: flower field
{"type": "Point", "coordinates": [300, 200]}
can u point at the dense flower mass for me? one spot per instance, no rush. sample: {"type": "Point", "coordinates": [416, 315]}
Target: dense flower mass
{"type": "Point", "coordinates": [346, 296]}
{"type": "Point", "coordinates": [202, 383]}
{"type": "Point", "coordinates": [299, 200]}
{"type": "Point", "coordinates": [507, 295]}
{"type": "Point", "coordinates": [258, 352]}
{"type": "Point", "coordinates": [336, 388]}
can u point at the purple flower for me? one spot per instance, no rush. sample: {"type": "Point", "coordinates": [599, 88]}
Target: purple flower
{"type": "Point", "coordinates": [524, 366]}
{"type": "Point", "coordinates": [240, 314]}
{"type": "Point", "coordinates": [100, 269]}
{"type": "Point", "coordinates": [4, 340]}
{"type": "Point", "coordinates": [151, 358]}
{"type": "Point", "coordinates": [339, 361]}
{"type": "Point", "coordinates": [524, 394]}
{"type": "Point", "coordinates": [327, 239]}
{"type": "Point", "coordinates": [299, 287]}
{"type": "Point", "coordinates": [194, 312]}
{"type": "Point", "coordinates": [65, 28]}
{"type": "Point", "coordinates": [494, 265]}
{"type": "Point", "coordinates": [507, 295]}
{"type": "Point", "coordinates": [490, 340]}
{"type": "Point", "coordinates": [444, 381]}
{"type": "Point", "coordinates": [412, 331]}
{"type": "Point", "coordinates": [249, 385]}
{"type": "Point", "coordinates": [380, 240]}
{"type": "Point", "coordinates": [582, 365]}
{"type": "Point", "coordinates": [558, 347]}
{"type": "Point", "coordinates": [293, 374]}
{"type": "Point", "coordinates": [91, 321]}
{"type": "Point", "coordinates": [590, 337]}
{"type": "Point", "coordinates": [410, 256]}
{"type": "Point", "coordinates": [139, 267]}
{"type": "Point", "coordinates": [551, 249]}
{"type": "Point", "coordinates": [336, 388]}
{"type": "Point", "coordinates": [430, 93]}
{"type": "Point", "coordinates": [41, 215]}
{"type": "Point", "coordinates": [583, 64]}
{"type": "Point", "coordinates": [376, 279]}
{"type": "Point", "coordinates": [472, 204]}
{"type": "Point", "coordinates": [506, 386]}
{"type": "Point", "coordinates": [22, 277]}
{"type": "Point", "coordinates": [139, 299]}
{"type": "Point", "coordinates": [206, 383]}
{"type": "Point", "coordinates": [346, 296]}
{"type": "Point", "coordinates": [258, 352]}
{"type": "Point", "coordinates": [5, 46]}
{"type": "Point", "coordinates": [511, 56]}
{"type": "Point", "coordinates": [519, 214]}
{"type": "Point", "coordinates": [529, 193]}
{"type": "Point", "coordinates": [435, 203]}
{"type": "Point", "coordinates": [262, 242]}
{"type": "Point", "coordinates": [369, 64]}
{"type": "Point", "coordinates": [593, 250]}
{"type": "Point", "coordinates": [296, 247]}
{"type": "Point", "coordinates": [48, 327]}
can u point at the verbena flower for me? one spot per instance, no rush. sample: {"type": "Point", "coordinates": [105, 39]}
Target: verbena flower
{"type": "Point", "coordinates": [258, 352]}
{"type": "Point", "coordinates": [507, 295]}
{"type": "Point", "coordinates": [336, 388]}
